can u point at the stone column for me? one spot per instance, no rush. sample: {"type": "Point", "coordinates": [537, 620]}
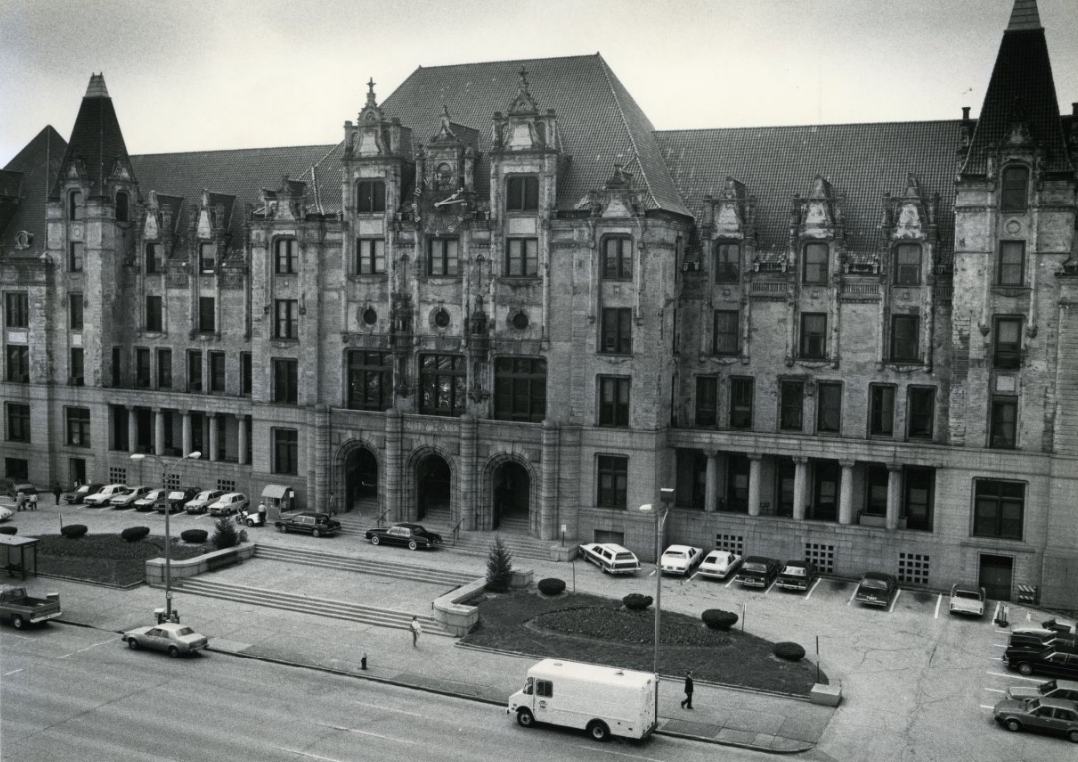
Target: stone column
{"type": "Point", "coordinates": [393, 486]}
{"type": "Point", "coordinates": [132, 430]}
{"type": "Point", "coordinates": [318, 463]}
{"type": "Point", "coordinates": [845, 493]}
{"type": "Point", "coordinates": [711, 489]}
{"type": "Point", "coordinates": [548, 499]}
{"type": "Point", "coordinates": [241, 420]}
{"type": "Point", "coordinates": [213, 435]}
{"type": "Point", "coordinates": [894, 494]}
{"type": "Point", "coordinates": [800, 486]}
{"type": "Point", "coordinates": [466, 482]}
{"type": "Point", "coordinates": [186, 432]}
{"type": "Point", "coordinates": [754, 484]}
{"type": "Point", "coordinates": [158, 431]}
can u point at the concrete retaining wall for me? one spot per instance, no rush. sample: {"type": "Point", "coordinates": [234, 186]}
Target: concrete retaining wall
{"type": "Point", "coordinates": [189, 567]}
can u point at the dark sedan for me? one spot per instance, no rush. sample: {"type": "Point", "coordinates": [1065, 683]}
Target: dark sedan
{"type": "Point", "coordinates": [1047, 662]}
{"type": "Point", "coordinates": [80, 494]}
{"type": "Point", "coordinates": [412, 535]}
{"type": "Point", "coordinates": [876, 589]}
{"type": "Point", "coordinates": [758, 571]}
{"type": "Point", "coordinates": [174, 501]}
{"type": "Point", "coordinates": [316, 524]}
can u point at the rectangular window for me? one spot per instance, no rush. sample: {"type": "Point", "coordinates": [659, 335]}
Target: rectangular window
{"type": "Point", "coordinates": [613, 481]}
{"type": "Point", "coordinates": [142, 368]}
{"type": "Point", "coordinates": [117, 366]}
{"type": "Point", "coordinates": [998, 507]}
{"type": "Point", "coordinates": [155, 262]}
{"type": "Point", "coordinates": [207, 314]}
{"type": "Point", "coordinates": [77, 367]}
{"type": "Point", "coordinates": [370, 256]}
{"type": "Point", "coordinates": [370, 380]}
{"type": "Point", "coordinates": [285, 381]}
{"type": "Point", "coordinates": [155, 322]}
{"type": "Point", "coordinates": [791, 414]}
{"type": "Point", "coordinates": [74, 311]}
{"type": "Point", "coordinates": [18, 363]}
{"type": "Point", "coordinates": [877, 479]}
{"type": "Point", "coordinates": [617, 262]}
{"type": "Point", "coordinates": [707, 401]}
{"type": "Point", "coordinates": [245, 374]}
{"type": "Point", "coordinates": [814, 335]}
{"type": "Point", "coordinates": [194, 370]}
{"type": "Point", "coordinates": [286, 325]}
{"type": "Point", "coordinates": [1012, 263]}
{"type": "Point", "coordinates": [921, 411]}
{"type": "Point", "coordinates": [741, 394]}
{"type": "Point", "coordinates": [76, 253]}
{"type": "Point", "coordinates": [907, 264]}
{"type": "Point", "coordinates": [78, 426]}
{"type": "Point", "coordinates": [520, 389]}
{"type": "Point", "coordinates": [829, 407]}
{"type": "Point", "coordinates": [613, 400]}
{"type": "Point", "coordinates": [164, 368]}
{"type": "Point", "coordinates": [726, 339]}
{"type": "Point", "coordinates": [1014, 195]}
{"type": "Point", "coordinates": [287, 256]}
{"type": "Point", "coordinates": [617, 330]}
{"type": "Point", "coordinates": [443, 257]}
{"type": "Point", "coordinates": [738, 469]}
{"type": "Point", "coordinates": [285, 451]}
{"type": "Point", "coordinates": [727, 262]}
{"type": "Point", "coordinates": [1007, 354]}
{"type": "Point", "coordinates": [207, 257]}
{"type": "Point", "coordinates": [522, 257]}
{"type": "Point", "coordinates": [881, 412]}
{"type": "Point", "coordinates": [905, 338]}
{"type": "Point", "coordinates": [815, 269]}
{"type": "Point", "coordinates": [442, 385]}
{"type": "Point", "coordinates": [918, 497]}
{"type": "Point", "coordinates": [18, 422]}
{"type": "Point", "coordinates": [1004, 431]}
{"type": "Point", "coordinates": [17, 309]}
{"type": "Point", "coordinates": [370, 196]}
{"type": "Point", "coordinates": [522, 194]}
{"type": "Point", "coordinates": [217, 372]}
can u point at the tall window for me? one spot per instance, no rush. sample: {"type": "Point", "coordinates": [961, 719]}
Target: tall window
{"type": "Point", "coordinates": [738, 469]}
{"type": "Point", "coordinates": [617, 330]}
{"type": "Point", "coordinates": [76, 253]}
{"type": "Point", "coordinates": [921, 411]}
{"type": "Point", "coordinates": [442, 384]}
{"type": "Point", "coordinates": [245, 374]}
{"type": "Point", "coordinates": [117, 370]}
{"type": "Point", "coordinates": [907, 264]}
{"type": "Point", "coordinates": [814, 335]}
{"type": "Point", "coordinates": [285, 451]}
{"type": "Point", "coordinates": [881, 410]}
{"type": "Point", "coordinates": [522, 193]}
{"type": "Point", "coordinates": [370, 380]}
{"type": "Point", "coordinates": [613, 481]}
{"type": "Point", "coordinates": [142, 367]}
{"type": "Point", "coordinates": [998, 508]}
{"type": "Point", "coordinates": [18, 422]}
{"type": "Point", "coordinates": [1014, 196]}
{"type": "Point", "coordinates": [287, 323]}
{"type": "Point", "coordinates": [217, 372]}
{"type": "Point", "coordinates": [918, 496]}
{"type": "Point", "coordinates": [443, 257]}
{"type": "Point", "coordinates": [77, 366]}
{"type": "Point", "coordinates": [122, 207]}
{"type": "Point", "coordinates": [1007, 347]}
{"type": "Point", "coordinates": [370, 196]}
{"type": "Point", "coordinates": [207, 314]}
{"type": "Point", "coordinates": [792, 405]}
{"type": "Point", "coordinates": [17, 309]}
{"type": "Point", "coordinates": [707, 400]}
{"type": "Point", "coordinates": [285, 381]}
{"type": "Point", "coordinates": [18, 363]}
{"type": "Point", "coordinates": [207, 257]}
{"type": "Point", "coordinates": [75, 209]}
{"type": "Point", "coordinates": [78, 426]}
{"type": "Point", "coordinates": [1004, 429]}
{"type": "Point", "coordinates": [287, 258]}
{"type": "Point", "coordinates": [905, 339]}
{"type": "Point", "coordinates": [522, 257]}
{"type": "Point", "coordinates": [155, 262]}
{"type": "Point", "coordinates": [74, 311]}
{"type": "Point", "coordinates": [814, 271]}
{"type": "Point", "coordinates": [617, 260]}
{"type": "Point", "coordinates": [741, 393]}
{"type": "Point", "coordinates": [1012, 263]}
{"type": "Point", "coordinates": [370, 256]}
{"type": "Point", "coordinates": [726, 339]}
{"type": "Point", "coordinates": [614, 400]}
{"type": "Point", "coordinates": [520, 389]}
{"type": "Point", "coordinates": [877, 482]}
{"type": "Point", "coordinates": [727, 262]}
{"type": "Point", "coordinates": [154, 317]}
{"type": "Point", "coordinates": [829, 407]}
{"type": "Point", "coordinates": [194, 370]}
{"type": "Point", "coordinates": [164, 368]}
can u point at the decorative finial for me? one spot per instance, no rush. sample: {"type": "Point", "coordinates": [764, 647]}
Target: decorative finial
{"type": "Point", "coordinates": [523, 79]}
{"type": "Point", "coordinates": [371, 101]}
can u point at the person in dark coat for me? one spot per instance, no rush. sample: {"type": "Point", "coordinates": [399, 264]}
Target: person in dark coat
{"type": "Point", "coordinates": [687, 702]}
{"type": "Point", "coordinates": [56, 491]}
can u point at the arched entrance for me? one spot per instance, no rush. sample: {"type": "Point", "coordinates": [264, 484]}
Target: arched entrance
{"type": "Point", "coordinates": [361, 481]}
{"type": "Point", "coordinates": [433, 487]}
{"type": "Point", "coordinates": [511, 493]}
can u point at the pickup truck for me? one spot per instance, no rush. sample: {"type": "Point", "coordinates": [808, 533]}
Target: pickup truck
{"type": "Point", "coordinates": [20, 609]}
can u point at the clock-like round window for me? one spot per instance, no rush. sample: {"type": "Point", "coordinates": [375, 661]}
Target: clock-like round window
{"type": "Point", "coordinates": [519, 321]}
{"type": "Point", "coordinates": [370, 317]}
{"type": "Point", "coordinates": [441, 319]}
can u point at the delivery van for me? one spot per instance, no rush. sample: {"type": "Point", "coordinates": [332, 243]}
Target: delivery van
{"type": "Point", "coordinates": [604, 701]}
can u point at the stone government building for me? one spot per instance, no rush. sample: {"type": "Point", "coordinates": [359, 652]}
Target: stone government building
{"type": "Point", "coordinates": [504, 296]}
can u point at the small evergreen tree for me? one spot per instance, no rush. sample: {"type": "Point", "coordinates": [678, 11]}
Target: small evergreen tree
{"type": "Point", "coordinates": [225, 536]}
{"type": "Point", "coordinates": [499, 566]}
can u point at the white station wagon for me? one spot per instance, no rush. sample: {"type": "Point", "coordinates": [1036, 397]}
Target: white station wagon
{"type": "Point", "coordinates": [611, 558]}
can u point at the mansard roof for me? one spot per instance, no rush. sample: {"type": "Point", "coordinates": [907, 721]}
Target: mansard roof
{"type": "Point", "coordinates": [860, 161]}
{"type": "Point", "coordinates": [96, 138]}
{"type": "Point", "coordinates": [38, 166]}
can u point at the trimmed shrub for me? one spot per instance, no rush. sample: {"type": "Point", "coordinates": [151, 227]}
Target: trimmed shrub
{"type": "Point", "coordinates": [788, 651]}
{"type": "Point", "coordinates": [73, 531]}
{"type": "Point", "coordinates": [225, 534]}
{"type": "Point", "coordinates": [551, 586]}
{"type": "Point", "coordinates": [499, 566]}
{"type": "Point", "coordinates": [717, 619]}
{"type": "Point", "coordinates": [134, 534]}
{"type": "Point", "coordinates": [9, 530]}
{"type": "Point", "coordinates": [637, 602]}
{"type": "Point", "coordinates": [194, 536]}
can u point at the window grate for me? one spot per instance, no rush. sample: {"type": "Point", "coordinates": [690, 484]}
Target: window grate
{"type": "Point", "coordinates": [226, 485]}
{"type": "Point", "coordinates": [731, 543]}
{"type": "Point", "coordinates": [821, 555]}
{"type": "Point", "coordinates": [117, 475]}
{"type": "Point", "coordinates": [913, 568]}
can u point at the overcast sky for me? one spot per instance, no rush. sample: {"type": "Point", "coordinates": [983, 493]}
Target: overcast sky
{"type": "Point", "coordinates": [199, 75]}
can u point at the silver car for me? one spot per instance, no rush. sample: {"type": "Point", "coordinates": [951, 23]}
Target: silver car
{"type": "Point", "coordinates": [173, 639]}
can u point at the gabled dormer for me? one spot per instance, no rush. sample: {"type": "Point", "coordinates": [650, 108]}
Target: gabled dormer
{"type": "Point", "coordinates": [618, 198]}
{"type": "Point", "coordinates": [378, 165]}
{"type": "Point", "coordinates": [820, 214]}
{"type": "Point", "coordinates": [524, 128]}
{"type": "Point", "coordinates": [210, 220]}
{"type": "Point", "coordinates": [286, 203]}
{"type": "Point", "coordinates": [731, 214]}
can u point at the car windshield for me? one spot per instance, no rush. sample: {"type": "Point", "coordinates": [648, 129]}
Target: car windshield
{"type": "Point", "coordinates": [676, 553]}
{"type": "Point", "coordinates": [794, 571]}
{"type": "Point", "coordinates": [755, 567]}
{"type": "Point", "coordinates": [185, 631]}
{"type": "Point", "coordinates": [876, 584]}
{"type": "Point", "coordinates": [1047, 687]}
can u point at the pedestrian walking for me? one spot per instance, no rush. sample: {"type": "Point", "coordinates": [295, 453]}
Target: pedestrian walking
{"type": "Point", "coordinates": [57, 491]}
{"type": "Point", "coordinates": [33, 502]}
{"type": "Point", "coordinates": [416, 628]}
{"type": "Point", "coordinates": [20, 500]}
{"type": "Point", "coordinates": [687, 702]}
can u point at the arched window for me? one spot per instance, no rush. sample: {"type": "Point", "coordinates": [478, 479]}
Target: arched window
{"type": "Point", "coordinates": [74, 205]}
{"type": "Point", "coordinates": [1014, 196]}
{"type": "Point", "coordinates": [122, 214]}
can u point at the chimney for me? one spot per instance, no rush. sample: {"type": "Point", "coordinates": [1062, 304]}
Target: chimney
{"type": "Point", "coordinates": [965, 113]}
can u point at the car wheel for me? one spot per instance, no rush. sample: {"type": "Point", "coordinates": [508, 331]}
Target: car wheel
{"type": "Point", "coordinates": [525, 718]}
{"type": "Point", "coordinates": [250, 522]}
{"type": "Point", "coordinates": [375, 539]}
{"type": "Point", "coordinates": [316, 532]}
{"type": "Point", "coordinates": [598, 730]}
{"type": "Point", "coordinates": [1025, 668]}
{"type": "Point", "coordinates": [280, 528]}
{"type": "Point", "coordinates": [18, 622]}
{"type": "Point", "coordinates": [133, 644]}
{"type": "Point", "coordinates": [412, 545]}
{"type": "Point", "coordinates": [173, 652]}
{"type": "Point", "coordinates": [1013, 725]}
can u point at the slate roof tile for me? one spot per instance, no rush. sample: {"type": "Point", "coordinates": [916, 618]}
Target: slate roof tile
{"type": "Point", "coordinates": [39, 166]}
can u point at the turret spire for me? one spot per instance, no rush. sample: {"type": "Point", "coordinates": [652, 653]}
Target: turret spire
{"type": "Point", "coordinates": [96, 88]}
{"type": "Point", "coordinates": [1024, 16]}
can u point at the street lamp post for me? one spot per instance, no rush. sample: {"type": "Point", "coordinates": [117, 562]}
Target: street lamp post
{"type": "Point", "coordinates": [140, 456]}
{"type": "Point", "coordinates": [666, 501]}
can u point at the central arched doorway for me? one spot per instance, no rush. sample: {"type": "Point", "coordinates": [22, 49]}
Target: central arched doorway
{"type": "Point", "coordinates": [433, 487]}
{"type": "Point", "coordinates": [361, 481]}
{"type": "Point", "coordinates": [511, 495]}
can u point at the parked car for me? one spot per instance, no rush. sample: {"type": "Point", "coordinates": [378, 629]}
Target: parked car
{"type": "Point", "coordinates": [201, 502]}
{"type": "Point", "coordinates": [25, 488]}
{"type": "Point", "coordinates": [5, 513]}
{"type": "Point", "coordinates": [680, 559]}
{"type": "Point", "coordinates": [719, 564]}
{"type": "Point", "coordinates": [102, 497]}
{"type": "Point", "coordinates": [317, 524]}
{"type": "Point", "coordinates": [611, 558]}
{"type": "Point", "coordinates": [229, 503]}
{"type": "Point", "coordinates": [147, 501]}
{"type": "Point", "coordinates": [797, 575]}
{"type": "Point", "coordinates": [252, 518]}
{"type": "Point", "coordinates": [176, 499]}
{"type": "Point", "coordinates": [174, 639]}
{"type": "Point", "coordinates": [1046, 662]}
{"type": "Point", "coordinates": [1067, 644]}
{"type": "Point", "coordinates": [757, 571]}
{"type": "Point", "coordinates": [1047, 628]}
{"type": "Point", "coordinates": [414, 536]}
{"type": "Point", "coordinates": [21, 609]}
{"type": "Point", "coordinates": [1042, 715]}
{"type": "Point", "coordinates": [128, 498]}
{"type": "Point", "coordinates": [876, 589]}
{"type": "Point", "coordinates": [967, 600]}
{"type": "Point", "coordinates": [1056, 689]}
{"type": "Point", "coordinates": [80, 494]}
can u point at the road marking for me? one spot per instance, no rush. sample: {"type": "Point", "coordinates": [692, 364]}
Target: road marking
{"type": "Point", "coordinates": [12, 672]}
{"type": "Point", "coordinates": [894, 601]}
{"type": "Point", "coordinates": [732, 581]}
{"type": "Point", "coordinates": [307, 754]}
{"type": "Point", "coordinates": [851, 596]}
{"type": "Point", "coordinates": [996, 690]}
{"type": "Point", "coordinates": [1017, 677]}
{"type": "Point", "coordinates": [985, 706]}
{"type": "Point", "coordinates": [387, 709]}
{"type": "Point", "coordinates": [693, 576]}
{"type": "Point", "coordinates": [620, 753]}
{"type": "Point", "coordinates": [368, 733]}
{"type": "Point", "coordinates": [771, 587]}
{"type": "Point", "coordinates": [818, 581]}
{"type": "Point", "coordinates": [998, 645]}
{"type": "Point", "coordinates": [939, 601]}
{"type": "Point", "coordinates": [95, 645]}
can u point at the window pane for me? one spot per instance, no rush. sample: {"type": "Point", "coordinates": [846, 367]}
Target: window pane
{"type": "Point", "coordinates": [815, 266]}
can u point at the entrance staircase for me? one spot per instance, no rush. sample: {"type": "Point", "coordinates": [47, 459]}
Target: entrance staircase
{"type": "Point", "coordinates": [444, 577]}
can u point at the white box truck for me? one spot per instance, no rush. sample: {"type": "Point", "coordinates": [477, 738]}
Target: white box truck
{"type": "Point", "coordinates": [604, 701]}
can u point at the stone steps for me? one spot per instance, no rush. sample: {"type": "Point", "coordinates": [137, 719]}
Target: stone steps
{"type": "Point", "coordinates": [363, 566]}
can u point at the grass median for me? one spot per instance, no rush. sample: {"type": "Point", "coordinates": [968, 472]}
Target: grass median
{"type": "Point", "coordinates": [107, 558]}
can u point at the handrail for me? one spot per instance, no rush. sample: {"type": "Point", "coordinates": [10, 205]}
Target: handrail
{"type": "Point", "coordinates": [382, 516]}
{"type": "Point", "coordinates": [456, 532]}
